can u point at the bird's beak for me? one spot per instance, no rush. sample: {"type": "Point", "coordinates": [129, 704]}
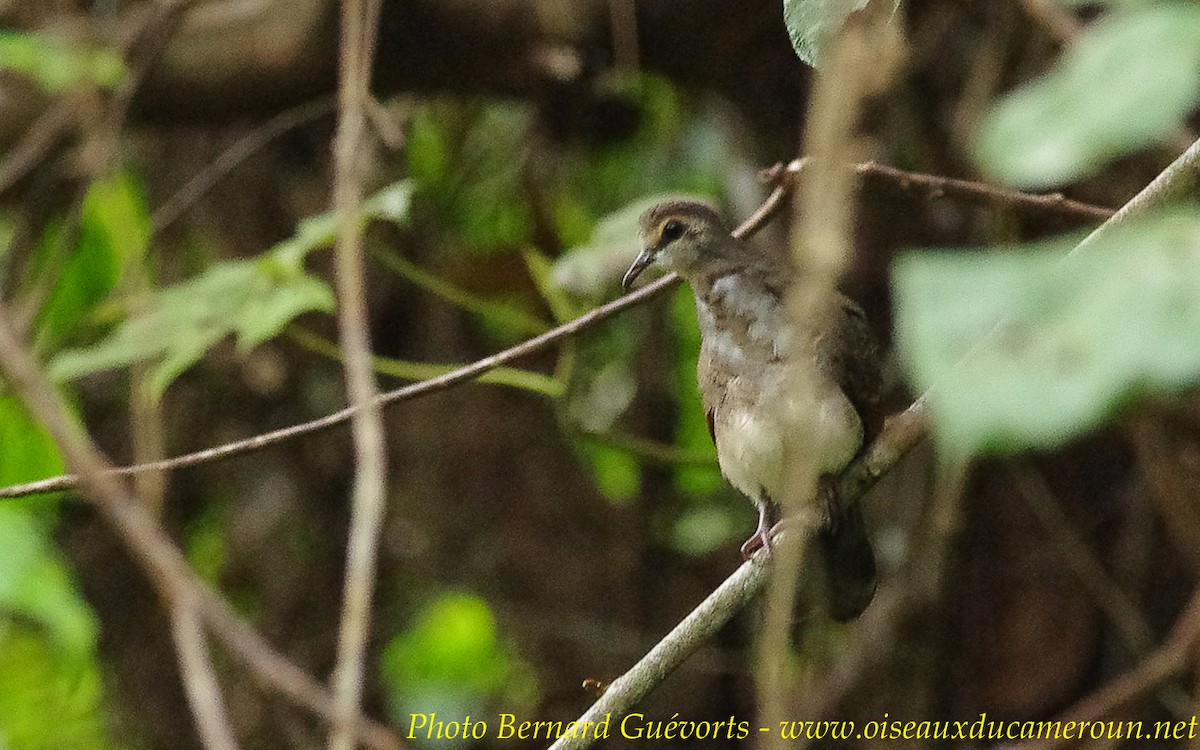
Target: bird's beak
{"type": "Point", "coordinates": [644, 258]}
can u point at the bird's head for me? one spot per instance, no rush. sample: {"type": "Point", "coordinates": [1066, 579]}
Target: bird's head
{"type": "Point", "coordinates": [679, 236]}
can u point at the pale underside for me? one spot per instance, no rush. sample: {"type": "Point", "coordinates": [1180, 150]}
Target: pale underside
{"type": "Point", "coordinates": [768, 414]}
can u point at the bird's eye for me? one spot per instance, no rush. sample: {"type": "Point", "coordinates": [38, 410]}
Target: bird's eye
{"type": "Point", "coordinates": [672, 230]}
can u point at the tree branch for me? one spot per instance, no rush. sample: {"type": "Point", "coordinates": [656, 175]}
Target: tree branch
{"type": "Point", "coordinates": [199, 680]}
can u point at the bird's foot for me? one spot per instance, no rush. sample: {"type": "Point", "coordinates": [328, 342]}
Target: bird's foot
{"type": "Point", "coordinates": [761, 539]}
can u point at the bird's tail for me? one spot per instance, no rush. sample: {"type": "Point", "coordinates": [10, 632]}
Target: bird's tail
{"type": "Point", "coordinates": [849, 564]}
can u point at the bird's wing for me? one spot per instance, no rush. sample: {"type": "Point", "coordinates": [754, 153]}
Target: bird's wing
{"type": "Point", "coordinates": [856, 363]}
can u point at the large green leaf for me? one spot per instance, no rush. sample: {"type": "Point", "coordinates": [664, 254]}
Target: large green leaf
{"type": "Point", "coordinates": [1080, 336]}
{"type": "Point", "coordinates": [36, 585]}
{"type": "Point", "coordinates": [178, 324]}
{"type": "Point", "coordinates": [811, 23]}
{"type": "Point", "coordinates": [45, 704]}
{"type": "Point", "coordinates": [1129, 82]}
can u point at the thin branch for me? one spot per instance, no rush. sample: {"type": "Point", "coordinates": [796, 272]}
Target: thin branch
{"type": "Point", "coordinates": [936, 186]}
{"type": "Point", "coordinates": [369, 497]}
{"type": "Point", "coordinates": [199, 680]}
{"type": "Point", "coordinates": [241, 149]}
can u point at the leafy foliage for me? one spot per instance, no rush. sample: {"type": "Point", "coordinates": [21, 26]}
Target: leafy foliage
{"type": "Point", "coordinates": [113, 233]}
{"type": "Point", "coordinates": [57, 64]}
{"type": "Point", "coordinates": [250, 299]}
{"type": "Point", "coordinates": [452, 662]}
{"type": "Point", "coordinates": [1076, 338]}
{"type": "Point", "coordinates": [51, 695]}
{"type": "Point", "coordinates": [1128, 82]}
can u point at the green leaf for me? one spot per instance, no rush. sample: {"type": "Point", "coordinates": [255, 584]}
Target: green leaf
{"type": "Point", "coordinates": [1128, 83]}
{"type": "Point", "coordinates": [178, 324]}
{"type": "Point", "coordinates": [36, 585]}
{"type": "Point", "coordinates": [811, 23]}
{"type": "Point", "coordinates": [250, 299]}
{"type": "Point", "coordinates": [45, 703]}
{"type": "Point", "coordinates": [1080, 338]}
{"type": "Point", "coordinates": [56, 63]}
{"type": "Point", "coordinates": [113, 234]}
{"type": "Point", "coordinates": [27, 452]}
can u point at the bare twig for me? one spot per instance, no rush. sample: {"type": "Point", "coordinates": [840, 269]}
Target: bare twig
{"type": "Point", "coordinates": [936, 186]}
{"type": "Point", "coordinates": [238, 152]}
{"type": "Point", "coordinates": [370, 467]}
{"type": "Point", "coordinates": [199, 680]}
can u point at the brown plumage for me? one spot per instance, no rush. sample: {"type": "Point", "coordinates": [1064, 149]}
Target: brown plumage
{"type": "Point", "coordinates": [746, 377]}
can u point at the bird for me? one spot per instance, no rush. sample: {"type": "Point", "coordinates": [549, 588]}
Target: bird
{"type": "Point", "coordinates": [745, 370]}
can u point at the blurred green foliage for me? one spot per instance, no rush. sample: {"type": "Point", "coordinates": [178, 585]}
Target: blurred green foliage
{"type": "Point", "coordinates": [57, 63]}
{"type": "Point", "coordinates": [114, 227]}
{"type": "Point", "coordinates": [452, 661]}
{"type": "Point", "coordinates": [49, 679]}
{"type": "Point", "coordinates": [251, 299]}
{"type": "Point", "coordinates": [1129, 82]}
{"type": "Point", "coordinates": [1026, 348]}
{"type": "Point", "coordinates": [810, 23]}
{"type": "Point", "coordinates": [478, 170]}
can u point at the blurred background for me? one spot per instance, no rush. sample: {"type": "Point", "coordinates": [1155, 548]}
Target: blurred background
{"type": "Point", "coordinates": [549, 526]}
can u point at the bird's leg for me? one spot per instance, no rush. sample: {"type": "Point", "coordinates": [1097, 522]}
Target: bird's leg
{"type": "Point", "coordinates": [766, 523]}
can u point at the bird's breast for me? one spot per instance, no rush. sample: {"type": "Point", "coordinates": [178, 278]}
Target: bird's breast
{"type": "Point", "coordinates": [765, 421]}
